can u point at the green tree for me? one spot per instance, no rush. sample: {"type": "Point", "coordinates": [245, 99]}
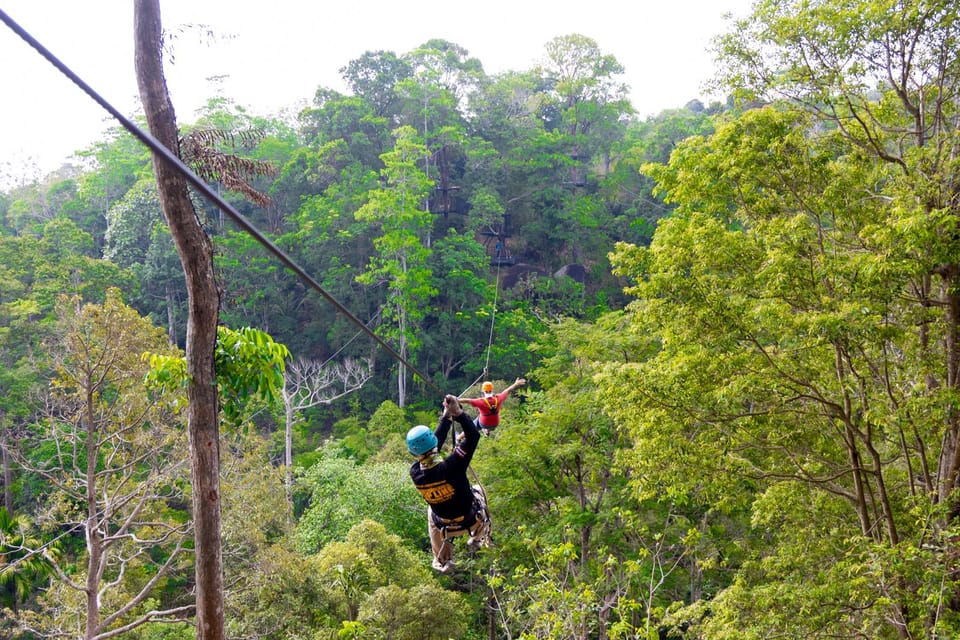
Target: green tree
{"type": "Point", "coordinates": [262, 292]}
{"type": "Point", "coordinates": [374, 77]}
{"type": "Point", "coordinates": [369, 558]}
{"type": "Point", "coordinates": [69, 266]}
{"type": "Point", "coordinates": [350, 120]}
{"type": "Point", "coordinates": [267, 582]}
{"type": "Point", "coordinates": [370, 442]}
{"type": "Point", "coordinates": [784, 370]}
{"type": "Point", "coordinates": [329, 242]}
{"type": "Point", "coordinates": [23, 560]}
{"type": "Point", "coordinates": [137, 239]}
{"type": "Point", "coordinates": [327, 589]}
{"type": "Point", "coordinates": [21, 334]}
{"type": "Point", "coordinates": [137, 211]}
{"type": "Point", "coordinates": [401, 262]}
{"type": "Point", "coordinates": [628, 193]}
{"type": "Point", "coordinates": [879, 73]}
{"type": "Point", "coordinates": [410, 614]}
{"type": "Point", "coordinates": [115, 460]}
{"type": "Point", "coordinates": [588, 97]}
{"type": "Point", "coordinates": [118, 162]}
{"type": "Point", "coordinates": [456, 334]}
{"type": "Point", "coordinates": [443, 77]}
{"type": "Point", "coordinates": [280, 597]}
{"type": "Point", "coordinates": [343, 493]}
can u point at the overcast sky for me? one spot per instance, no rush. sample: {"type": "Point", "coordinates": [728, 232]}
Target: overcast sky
{"type": "Point", "coordinates": [275, 53]}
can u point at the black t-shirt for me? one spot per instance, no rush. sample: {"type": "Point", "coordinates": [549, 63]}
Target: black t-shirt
{"type": "Point", "coordinates": [445, 486]}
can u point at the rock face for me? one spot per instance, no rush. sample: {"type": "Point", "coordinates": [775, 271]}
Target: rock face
{"type": "Point", "coordinates": [575, 271]}
{"type": "Point", "coordinates": [522, 270]}
{"type": "Point", "coordinates": [519, 272]}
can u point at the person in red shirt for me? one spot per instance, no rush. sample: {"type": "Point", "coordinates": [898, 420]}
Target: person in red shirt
{"type": "Point", "coordinates": [489, 405]}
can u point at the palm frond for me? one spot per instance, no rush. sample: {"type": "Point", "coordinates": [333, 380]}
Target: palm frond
{"type": "Point", "coordinates": [201, 149]}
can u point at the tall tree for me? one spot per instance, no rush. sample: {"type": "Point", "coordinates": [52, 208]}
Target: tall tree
{"type": "Point", "coordinates": [196, 256]}
{"type": "Point", "coordinates": [886, 75]}
{"type": "Point", "coordinates": [586, 84]}
{"type": "Point", "coordinates": [788, 371]}
{"type": "Point", "coordinates": [138, 239]}
{"type": "Point", "coordinates": [113, 455]}
{"type": "Point", "coordinates": [374, 77]}
{"type": "Point", "coordinates": [401, 261]}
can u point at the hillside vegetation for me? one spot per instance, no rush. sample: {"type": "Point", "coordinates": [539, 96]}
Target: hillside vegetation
{"type": "Point", "coordinates": [739, 324]}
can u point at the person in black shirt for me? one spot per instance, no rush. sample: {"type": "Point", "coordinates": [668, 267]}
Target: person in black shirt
{"type": "Point", "coordinates": [454, 506]}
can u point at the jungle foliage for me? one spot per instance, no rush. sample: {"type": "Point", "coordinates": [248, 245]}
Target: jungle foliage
{"type": "Point", "coordinates": [740, 325]}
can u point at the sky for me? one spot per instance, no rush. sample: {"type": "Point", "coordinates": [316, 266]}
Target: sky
{"type": "Point", "coordinates": [271, 55]}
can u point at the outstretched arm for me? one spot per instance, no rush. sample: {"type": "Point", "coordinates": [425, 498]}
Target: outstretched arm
{"type": "Point", "coordinates": [519, 382]}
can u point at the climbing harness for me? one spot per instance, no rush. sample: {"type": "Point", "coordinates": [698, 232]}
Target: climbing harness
{"type": "Point", "coordinates": [478, 529]}
{"type": "Point", "coordinates": [494, 407]}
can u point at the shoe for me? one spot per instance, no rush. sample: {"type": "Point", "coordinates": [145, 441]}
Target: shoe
{"type": "Point", "coordinates": [483, 541]}
{"type": "Point", "coordinates": [446, 567]}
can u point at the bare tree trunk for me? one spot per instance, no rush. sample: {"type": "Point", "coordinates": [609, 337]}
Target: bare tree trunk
{"type": "Point", "coordinates": [951, 454]}
{"type": "Point", "coordinates": [171, 316]}
{"type": "Point", "coordinates": [401, 371]}
{"type": "Point", "coordinates": [92, 533]}
{"type": "Point", "coordinates": [7, 468]}
{"type": "Point", "coordinates": [196, 256]}
{"type": "Point", "coordinates": [288, 444]}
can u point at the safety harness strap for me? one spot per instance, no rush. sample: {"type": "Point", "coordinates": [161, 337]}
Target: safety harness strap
{"type": "Point", "coordinates": [477, 516]}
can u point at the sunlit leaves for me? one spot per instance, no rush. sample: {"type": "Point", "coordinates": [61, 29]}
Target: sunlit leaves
{"type": "Point", "coordinates": [343, 493]}
{"type": "Point", "coordinates": [784, 300]}
{"type": "Point", "coordinates": [249, 366]}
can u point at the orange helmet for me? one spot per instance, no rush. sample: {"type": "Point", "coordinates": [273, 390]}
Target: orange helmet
{"type": "Point", "coordinates": [487, 387]}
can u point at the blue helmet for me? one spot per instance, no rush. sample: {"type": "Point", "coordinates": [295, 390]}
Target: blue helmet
{"type": "Point", "coordinates": [420, 440]}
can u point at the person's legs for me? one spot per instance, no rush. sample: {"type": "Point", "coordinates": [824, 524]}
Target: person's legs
{"type": "Point", "coordinates": [442, 549]}
{"type": "Point", "coordinates": [480, 531]}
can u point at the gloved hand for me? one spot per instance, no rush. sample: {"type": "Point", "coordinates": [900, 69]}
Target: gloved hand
{"type": "Point", "coordinates": [452, 406]}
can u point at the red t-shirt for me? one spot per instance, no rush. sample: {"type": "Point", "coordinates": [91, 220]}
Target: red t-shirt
{"type": "Point", "coordinates": [489, 408]}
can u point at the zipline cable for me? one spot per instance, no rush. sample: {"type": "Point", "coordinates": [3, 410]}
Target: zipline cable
{"type": "Point", "coordinates": [154, 145]}
{"type": "Point", "coordinates": [375, 317]}
{"type": "Point", "coordinates": [205, 189]}
{"type": "Point", "coordinates": [493, 319]}
{"type": "Point", "coordinates": [493, 316]}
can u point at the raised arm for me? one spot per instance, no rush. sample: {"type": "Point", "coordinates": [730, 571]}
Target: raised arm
{"type": "Point", "coordinates": [471, 437]}
{"type": "Point", "coordinates": [519, 382]}
{"type": "Point", "coordinates": [443, 426]}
